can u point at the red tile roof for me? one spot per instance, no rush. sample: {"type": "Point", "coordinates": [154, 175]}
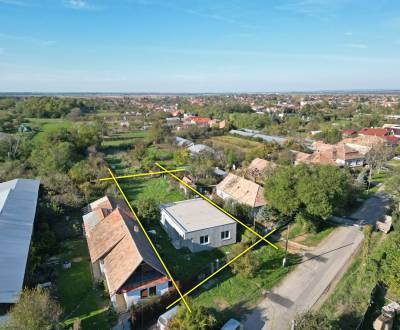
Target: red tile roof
{"type": "Point", "coordinates": [349, 132]}
{"type": "Point", "coordinates": [374, 131]}
{"type": "Point", "coordinates": [200, 120]}
{"type": "Point", "coordinates": [392, 139]}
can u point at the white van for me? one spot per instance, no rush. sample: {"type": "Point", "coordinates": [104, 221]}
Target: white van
{"type": "Point", "coordinates": [166, 317]}
{"type": "Point", "coordinates": [232, 324]}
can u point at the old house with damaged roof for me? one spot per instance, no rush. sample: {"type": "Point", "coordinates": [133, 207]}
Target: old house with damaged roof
{"type": "Point", "coordinates": [242, 191]}
{"type": "Point", "coordinates": [121, 254]}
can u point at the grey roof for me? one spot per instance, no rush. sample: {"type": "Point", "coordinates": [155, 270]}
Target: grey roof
{"type": "Point", "coordinates": [18, 199]}
{"type": "Point", "coordinates": [183, 142]}
{"type": "Point", "coordinates": [196, 214]}
{"type": "Point", "coordinates": [234, 131]}
{"type": "Point", "coordinates": [270, 138]}
{"type": "Point", "coordinates": [196, 148]}
{"type": "Point", "coordinates": [256, 134]}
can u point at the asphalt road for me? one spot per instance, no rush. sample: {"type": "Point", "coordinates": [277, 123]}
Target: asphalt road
{"type": "Point", "coordinates": [305, 285]}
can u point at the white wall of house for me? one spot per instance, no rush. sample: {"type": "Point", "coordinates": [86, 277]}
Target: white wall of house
{"type": "Point", "coordinates": [192, 240]}
{"type": "Point", "coordinates": [133, 296]}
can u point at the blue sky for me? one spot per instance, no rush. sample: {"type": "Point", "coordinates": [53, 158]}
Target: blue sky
{"type": "Point", "coordinates": [198, 45]}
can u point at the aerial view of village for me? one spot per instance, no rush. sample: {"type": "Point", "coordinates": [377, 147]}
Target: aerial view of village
{"type": "Point", "coordinates": [153, 182]}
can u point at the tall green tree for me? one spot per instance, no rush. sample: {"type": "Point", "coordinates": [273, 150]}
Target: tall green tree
{"type": "Point", "coordinates": [281, 192]}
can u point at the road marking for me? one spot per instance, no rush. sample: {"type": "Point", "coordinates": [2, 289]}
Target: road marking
{"type": "Point", "coordinates": [148, 238]}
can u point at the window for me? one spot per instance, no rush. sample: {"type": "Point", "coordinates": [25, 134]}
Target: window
{"type": "Point", "coordinates": [144, 294]}
{"type": "Point", "coordinates": [225, 234]}
{"type": "Point", "coordinates": [152, 291]}
{"type": "Point", "coordinates": [204, 240]}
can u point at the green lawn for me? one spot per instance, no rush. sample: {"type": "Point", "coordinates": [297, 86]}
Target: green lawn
{"type": "Point", "coordinates": [159, 188]}
{"type": "Point", "coordinates": [46, 126]}
{"type": "Point", "coordinates": [78, 296]}
{"type": "Point", "coordinates": [232, 295]}
{"type": "Point", "coordinates": [124, 139]}
{"type": "Point", "coordinates": [298, 234]}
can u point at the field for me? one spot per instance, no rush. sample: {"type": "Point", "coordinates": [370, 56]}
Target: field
{"type": "Point", "coordinates": [79, 297]}
{"type": "Point", "coordinates": [123, 139]}
{"type": "Point", "coordinates": [238, 145]}
{"type": "Point", "coordinates": [46, 126]}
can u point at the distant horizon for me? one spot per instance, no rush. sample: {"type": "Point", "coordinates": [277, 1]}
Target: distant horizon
{"type": "Point", "coordinates": [178, 93]}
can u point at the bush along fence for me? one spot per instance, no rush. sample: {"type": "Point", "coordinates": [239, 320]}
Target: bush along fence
{"type": "Point", "coordinates": [148, 311]}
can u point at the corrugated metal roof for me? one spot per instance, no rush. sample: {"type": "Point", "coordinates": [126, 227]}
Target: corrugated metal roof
{"type": "Point", "coordinates": [18, 199]}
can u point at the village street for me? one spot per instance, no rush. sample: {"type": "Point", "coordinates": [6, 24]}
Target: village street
{"type": "Point", "coordinates": [303, 287]}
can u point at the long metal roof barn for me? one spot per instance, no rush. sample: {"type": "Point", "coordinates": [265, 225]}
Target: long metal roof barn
{"type": "Point", "coordinates": [18, 199]}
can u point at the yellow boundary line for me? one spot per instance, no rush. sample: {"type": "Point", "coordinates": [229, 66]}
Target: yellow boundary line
{"type": "Point", "coordinates": [217, 206]}
{"type": "Point", "coordinates": [148, 238]}
{"type": "Point", "coordinates": [221, 268]}
{"type": "Point", "coordinates": [140, 174]}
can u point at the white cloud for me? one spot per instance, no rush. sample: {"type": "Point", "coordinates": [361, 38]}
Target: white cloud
{"type": "Point", "coordinates": [77, 4]}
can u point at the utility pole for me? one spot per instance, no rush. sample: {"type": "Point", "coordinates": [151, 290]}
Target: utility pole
{"type": "Point", "coordinates": [286, 245]}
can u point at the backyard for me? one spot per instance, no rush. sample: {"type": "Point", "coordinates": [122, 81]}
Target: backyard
{"type": "Point", "coordinates": [45, 126]}
{"type": "Point", "coordinates": [79, 297]}
{"type": "Point", "coordinates": [241, 147]}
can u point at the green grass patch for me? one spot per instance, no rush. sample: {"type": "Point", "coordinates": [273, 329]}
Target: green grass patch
{"type": "Point", "coordinates": [394, 163]}
{"type": "Point", "coordinates": [238, 145]}
{"type": "Point", "coordinates": [46, 126]}
{"type": "Point", "coordinates": [349, 301]}
{"type": "Point", "coordinates": [298, 233]}
{"type": "Point", "coordinates": [123, 139]}
{"type": "Point", "coordinates": [161, 189]}
{"type": "Point", "coordinates": [78, 296]}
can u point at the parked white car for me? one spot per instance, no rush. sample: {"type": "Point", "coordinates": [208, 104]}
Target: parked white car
{"type": "Point", "coordinates": [166, 317]}
{"type": "Point", "coordinates": [232, 324]}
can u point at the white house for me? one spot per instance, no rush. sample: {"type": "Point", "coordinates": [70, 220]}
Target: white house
{"type": "Point", "coordinates": [197, 225]}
